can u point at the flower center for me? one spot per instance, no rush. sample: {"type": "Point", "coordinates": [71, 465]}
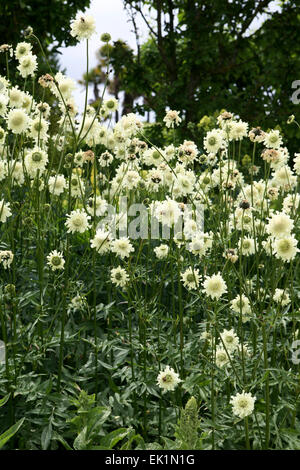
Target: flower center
{"type": "Point", "coordinates": [56, 261]}
{"type": "Point", "coordinates": [284, 246]}
{"type": "Point", "coordinates": [167, 378]}
{"type": "Point", "coordinates": [36, 157]}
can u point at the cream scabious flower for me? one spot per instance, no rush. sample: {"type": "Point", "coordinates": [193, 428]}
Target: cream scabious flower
{"type": "Point", "coordinates": [238, 130]}
{"type": "Point", "coordinates": [101, 206]}
{"type": "Point", "coordinates": [105, 159]}
{"type": "Point", "coordinates": [36, 160]}
{"type": "Point", "coordinates": [16, 171]}
{"type": "Point", "coordinates": [167, 212]}
{"type": "Point", "coordinates": [17, 121]}
{"type": "Point", "coordinates": [122, 247]}
{"type": "Point", "coordinates": [215, 286]}
{"type": "Point", "coordinates": [161, 251]}
{"type": "Point", "coordinates": [83, 27]}
{"type": "Point", "coordinates": [131, 179]}
{"type": "Point", "coordinates": [119, 276]}
{"type": "Point", "coordinates": [168, 379]}
{"type": "Point", "coordinates": [39, 128]}
{"type": "Point", "coordinates": [183, 185]}
{"type": "Point", "coordinates": [242, 404]}
{"type": "Point", "coordinates": [101, 241]}
{"type": "Point", "coordinates": [197, 246]}
{"type": "Point", "coordinates": [280, 225]}
{"type": "Point", "coordinates": [214, 140]}
{"type": "Point", "coordinates": [153, 156]}
{"type": "Point", "coordinates": [15, 97]}
{"type": "Point", "coordinates": [284, 178]}
{"type": "Point", "coordinates": [5, 211]}
{"type": "Point", "coordinates": [28, 103]}
{"type": "Point", "coordinates": [57, 184]}
{"type": "Point", "coordinates": [191, 278]}
{"type": "Point", "coordinates": [286, 248]}
{"type": "Point", "coordinates": [281, 297]}
{"type": "Point", "coordinates": [111, 105]}
{"type": "Point", "coordinates": [172, 118]}
{"type": "Point", "coordinates": [23, 49]}
{"type": "Point", "coordinates": [222, 358]}
{"type": "Point", "coordinates": [187, 152]}
{"type": "Point", "coordinates": [241, 305]}
{"type": "Point", "coordinates": [3, 170]}
{"type": "Point", "coordinates": [77, 185]}
{"type": "Point", "coordinates": [6, 258]}
{"type": "Point", "coordinates": [273, 139]}
{"type": "Point", "coordinates": [27, 65]}
{"type": "Point", "coordinates": [291, 203]}
{"type": "Point", "coordinates": [246, 246]}
{"type": "Point", "coordinates": [77, 221]}
{"type": "Point", "coordinates": [55, 260]}
{"type": "Point", "coordinates": [3, 104]}
{"type": "Point", "coordinates": [66, 86]}
{"type": "Point", "coordinates": [230, 340]}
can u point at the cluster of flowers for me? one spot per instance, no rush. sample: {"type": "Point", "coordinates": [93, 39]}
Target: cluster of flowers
{"type": "Point", "coordinates": [166, 177]}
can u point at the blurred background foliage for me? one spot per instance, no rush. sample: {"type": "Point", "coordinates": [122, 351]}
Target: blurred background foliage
{"type": "Point", "coordinates": [50, 21]}
{"type": "Point", "coordinates": [203, 56]}
{"type": "Point", "coordinates": [200, 57]}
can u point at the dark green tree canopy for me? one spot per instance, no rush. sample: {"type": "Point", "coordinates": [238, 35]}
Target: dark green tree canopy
{"type": "Point", "coordinates": [50, 21]}
{"type": "Point", "coordinates": [207, 55]}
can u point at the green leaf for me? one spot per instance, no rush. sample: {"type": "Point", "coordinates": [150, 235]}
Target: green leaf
{"type": "Point", "coordinates": [60, 439]}
{"type": "Point", "coordinates": [46, 436]}
{"type": "Point", "coordinates": [81, 441]}
{"type": "Point", "coordinates": [111, 439]}
{"type": "Point", "coordinates": [10, 432]}
{"type": "Point", "coordinates": [4, 399]}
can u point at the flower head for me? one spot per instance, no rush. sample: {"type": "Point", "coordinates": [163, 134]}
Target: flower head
{"type": "Point", "coordinates": [119, 276]}
{"type": "Point", "coordinates": [55, 260]}
{"type": "Point", "coordinates": [280, 225]}
{"type": "Point", "coordinates": [101, 241]}
{"type": "Point", "coordinates": [230, 340]}
{"type": "Point", "coordinates": [286, 248]}
{"type": "Point", "coordinates": [242, 404]}
{"type": "Point", "coordinates": [168, 379]}
{"type": "Point", "coordinates": [190, 278]}
{"type": "Point", "coordinates": [77, 221]}
{"type": "Point", "coordinates": [215, 286]}
{"type": "Point", "coordinates": [6, 258]}
{"type": "Point", "coordinates": [161, 251]}
{"type": "Point", "coordinates": [172, 118]}
{"type": "Point", "coordinates": [5, 211]}
{"type": "Point", "coordinates": [17, 121]}
{"type": "Point", "coordinates": [83, 27]}
{"type": "Point", "coordinates": [122, 247]}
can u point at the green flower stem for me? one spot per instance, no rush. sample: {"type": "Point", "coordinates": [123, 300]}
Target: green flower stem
{"type": "Point", "coordinates": [267, 388]}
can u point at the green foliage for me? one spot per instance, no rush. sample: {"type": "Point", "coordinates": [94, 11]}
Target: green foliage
{"type": "Point", "coordinates": [203, 56]}
{"type": "Point", "coordinates": [7, 435]}
{"type": "Point", "coordinates": [50, 23]}
{"type": "Point", "coordinates": [186, 433]}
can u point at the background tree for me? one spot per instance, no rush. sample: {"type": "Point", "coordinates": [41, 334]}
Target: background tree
{"type": "Point", "coordinates": [203, 56]}
{"type": "Point", "coordinates": [50, 21]}
{"type": "Point", "coordinates": [117, 58]}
